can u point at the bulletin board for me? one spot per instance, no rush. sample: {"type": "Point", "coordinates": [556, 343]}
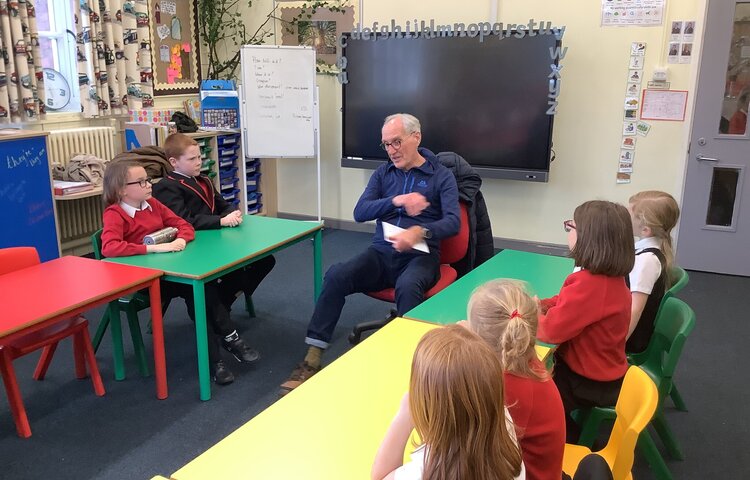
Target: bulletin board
{"type": "Point", "coordinates": [174, 46]}
{"type": "Point", "coordinates": [26, 195]}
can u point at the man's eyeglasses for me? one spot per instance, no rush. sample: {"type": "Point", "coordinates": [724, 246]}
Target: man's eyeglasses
{"type": "Point", "coordinates": [569, 225]}
{"type": "Point", "coordinates": [396, 144]}
{"type": "Point", "coordinates": [143, 182]}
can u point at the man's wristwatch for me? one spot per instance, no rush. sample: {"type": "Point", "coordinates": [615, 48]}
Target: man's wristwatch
{"type": "Point", "coordinates": [426, 233]}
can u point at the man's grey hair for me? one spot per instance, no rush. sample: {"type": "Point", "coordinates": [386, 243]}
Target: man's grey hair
{"type": "Point", "coordinates": [410, 122]}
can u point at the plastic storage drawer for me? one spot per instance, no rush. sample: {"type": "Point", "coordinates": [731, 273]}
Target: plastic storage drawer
{"type": "Point", "coordinates": [227, 161]}
{"type": "Point", "coordinates": [228, 173]}
{"type": "Point", "coordinates": [230, 195]}
{"type": "Point", "coordinates": [252, 182]}
{"type": "Point", "coordinates": [231, 139]}
{"type": "Point", "coordinates": [253, 199]}
{"type": "Point", "coordinates": [228, 183]}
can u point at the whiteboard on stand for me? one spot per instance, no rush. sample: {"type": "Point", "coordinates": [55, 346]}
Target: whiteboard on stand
{"type": "Point", "coordinates": [278, 85]}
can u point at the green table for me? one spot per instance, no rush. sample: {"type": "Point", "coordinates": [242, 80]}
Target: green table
{"type": "Point", "coordinates": [544, 274]}
{"type": "Point", "coordinates": [214, 253]}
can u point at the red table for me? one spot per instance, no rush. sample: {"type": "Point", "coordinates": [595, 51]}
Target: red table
{"type": "Point", "coordinates": [35, 297]}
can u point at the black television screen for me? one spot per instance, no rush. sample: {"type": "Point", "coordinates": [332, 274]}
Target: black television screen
{"type": "Point", "coordinates": [487, 101]}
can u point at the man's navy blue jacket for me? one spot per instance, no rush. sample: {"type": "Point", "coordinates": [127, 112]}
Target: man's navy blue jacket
{"type": "Point", "coordinates": [432, 180]}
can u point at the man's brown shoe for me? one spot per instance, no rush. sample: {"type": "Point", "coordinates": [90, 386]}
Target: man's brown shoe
{"type": "Point", "coordinates": [299, 375]}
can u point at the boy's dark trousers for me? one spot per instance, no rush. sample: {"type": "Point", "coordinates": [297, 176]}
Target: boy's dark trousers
{"type": "Point", "coordinates": [217, 316]}
{"type": "Point", "coordinates": [245, 279]}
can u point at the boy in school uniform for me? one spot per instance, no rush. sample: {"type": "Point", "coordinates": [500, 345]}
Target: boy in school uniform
{"type": "Point", "coordinates": [193, 197]}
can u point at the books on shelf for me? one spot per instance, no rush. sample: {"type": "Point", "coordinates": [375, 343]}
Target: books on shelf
{"type": "Point", "coordinates": [69, 188]}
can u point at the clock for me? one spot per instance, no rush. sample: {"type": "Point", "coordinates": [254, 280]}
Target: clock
{"type": "Point", "coordinates": [56, 89]}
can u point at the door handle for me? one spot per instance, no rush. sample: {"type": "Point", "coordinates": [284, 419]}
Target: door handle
{"type": "Point", "coordinates": [703, 158]}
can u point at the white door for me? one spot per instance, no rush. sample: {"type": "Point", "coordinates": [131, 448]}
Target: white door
{"type": "Point", "coordinates": [714, 233]}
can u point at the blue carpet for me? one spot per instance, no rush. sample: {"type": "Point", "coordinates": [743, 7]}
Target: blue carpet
{"type": "Point", "coordinates": [129, 434]}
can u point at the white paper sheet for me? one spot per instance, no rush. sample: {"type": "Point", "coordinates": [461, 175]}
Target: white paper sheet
{"type": "Point", "coordinates": [390, 230]}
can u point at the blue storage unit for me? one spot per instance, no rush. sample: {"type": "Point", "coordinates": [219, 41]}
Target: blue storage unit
{"type": "Point", "coordinates": [228, 155]}
{"type": "Point", "coordinates": [253, 180]}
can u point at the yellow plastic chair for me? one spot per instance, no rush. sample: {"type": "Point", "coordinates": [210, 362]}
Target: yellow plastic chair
{"type": "Point", "coordinates": [635, 407]}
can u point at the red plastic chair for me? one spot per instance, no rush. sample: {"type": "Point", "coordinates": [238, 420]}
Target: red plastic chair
{"type": "Point", "coordinates": [12, 259]}
{"type": "Point", "coordinates": [452, 249]}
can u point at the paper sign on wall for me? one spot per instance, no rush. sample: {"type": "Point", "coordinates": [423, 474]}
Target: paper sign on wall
{"type": "Point", "coordinates": [639, 13]}
{"type": "Point", "coordinates": [669, 105]}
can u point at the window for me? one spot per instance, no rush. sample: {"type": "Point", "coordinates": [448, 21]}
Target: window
{"type": "Point", "coordinates": [57, 44]}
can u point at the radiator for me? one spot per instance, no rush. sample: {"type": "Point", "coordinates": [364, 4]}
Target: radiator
{"type": "Point", "coordinates": [79, 219]}
{"type": "Point", "coordinates": [64, 144]}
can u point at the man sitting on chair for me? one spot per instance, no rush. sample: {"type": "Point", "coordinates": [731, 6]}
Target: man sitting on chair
{"type": "Point", "coordinates": [413, 192]}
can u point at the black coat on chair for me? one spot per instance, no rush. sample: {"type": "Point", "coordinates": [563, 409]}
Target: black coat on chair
{"type": "Point", "coordinates": [481, 246]}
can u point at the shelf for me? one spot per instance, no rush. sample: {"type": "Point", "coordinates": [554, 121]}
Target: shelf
{"type": "Point", "coordinates": [76, 196]}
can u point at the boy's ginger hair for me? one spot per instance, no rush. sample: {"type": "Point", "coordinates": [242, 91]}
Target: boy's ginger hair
{"type": "Point", "coordinates": [176, 144]}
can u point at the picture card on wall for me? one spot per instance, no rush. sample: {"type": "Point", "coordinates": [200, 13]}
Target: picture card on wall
{"type": "Point", "coordinates": [638, 48]}
{"type": "Point", "coordinates": [625, 168]}
{"type": "Point", "coordinates": [643, 128]}
{"type": "Point", "coordinates": [628, 128]}
{"type": "Point", "coordinates": [635, 76]}
{"type": "Point", "coordinates": [636, 61]}
{"type": "Point", "coordinates": [628, 143]}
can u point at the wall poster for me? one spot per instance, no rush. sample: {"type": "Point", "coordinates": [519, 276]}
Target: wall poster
{"type": "Point", "coordinates": [174, 46]}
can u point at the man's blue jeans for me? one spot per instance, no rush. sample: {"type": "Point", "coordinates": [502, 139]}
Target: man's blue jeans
{"type": "Point", "coordinates": [411, 273]}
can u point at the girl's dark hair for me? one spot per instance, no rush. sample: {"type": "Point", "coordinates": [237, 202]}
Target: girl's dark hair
{"type": "Point", "coordinates": [605, 243]}
{"type": "Point", "coordinates": [115, 178]}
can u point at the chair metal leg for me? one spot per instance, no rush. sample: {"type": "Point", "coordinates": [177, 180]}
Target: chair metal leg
{"type": "Point", "coordinates": [135, 335]}
{"type": "Point", "coordinates": [44, 361]}
{"type": "Point", "coordinates": [117, 350]}
{"type": "Point", "coordinates": [356, 336]}
{"type": "Point", "coordinates": [88, 354]}
{"type": "Point", "coordinates": [648, 448]}
{"type": "Point", "coordinates": [14, 396]}
{"type": "Point", "coordinates": [102, 328]}
{"type": "Point", "coordinates": [679, 403]}
{"type": "Point", "coordinates": [667, 437]}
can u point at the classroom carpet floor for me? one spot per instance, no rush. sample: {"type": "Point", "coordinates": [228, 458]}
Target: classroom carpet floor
{"type": "Point", "coordinates": [129, 434]}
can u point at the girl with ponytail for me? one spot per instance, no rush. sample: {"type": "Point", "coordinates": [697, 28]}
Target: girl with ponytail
{"type": "Point", "coordinates": [505, 316]}
{"type": "Point", "coordinates": [654, 214]}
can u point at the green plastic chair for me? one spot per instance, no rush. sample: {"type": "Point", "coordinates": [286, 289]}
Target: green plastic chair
{"type": "Point", "coordinates": [131, 305]}
{"type": "Point", "coordinates": [679, 279]}
{"type": "Point", "coordinates": [674, 323]}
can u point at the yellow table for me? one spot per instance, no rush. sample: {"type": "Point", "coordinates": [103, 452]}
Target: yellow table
{"type": "Point", "coordinates": [329, 427]}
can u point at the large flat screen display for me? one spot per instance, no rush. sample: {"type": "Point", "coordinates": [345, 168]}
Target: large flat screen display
{"type": "Point", "coordinates": [488, 101]}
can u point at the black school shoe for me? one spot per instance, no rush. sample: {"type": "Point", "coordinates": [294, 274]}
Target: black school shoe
{"type": "Point", "coordinates": [222, 375]}
{"type": "Point", "coordinates": [240, 350]}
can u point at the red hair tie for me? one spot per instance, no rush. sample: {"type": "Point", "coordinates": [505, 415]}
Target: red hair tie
{"type": "Point", "coordinates": [515, 314]}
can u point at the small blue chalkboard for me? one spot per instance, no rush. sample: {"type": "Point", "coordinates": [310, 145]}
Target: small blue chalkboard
{"type": "Point", "coordinates": [26, 200]}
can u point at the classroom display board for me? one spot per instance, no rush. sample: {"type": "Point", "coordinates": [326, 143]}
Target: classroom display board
{"type": "Point", "coordinates": [26, 195]}
{"type": "Point", "coordinates": [174, 46]}
{"type": "Point", "coordinates": [278, 111]}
